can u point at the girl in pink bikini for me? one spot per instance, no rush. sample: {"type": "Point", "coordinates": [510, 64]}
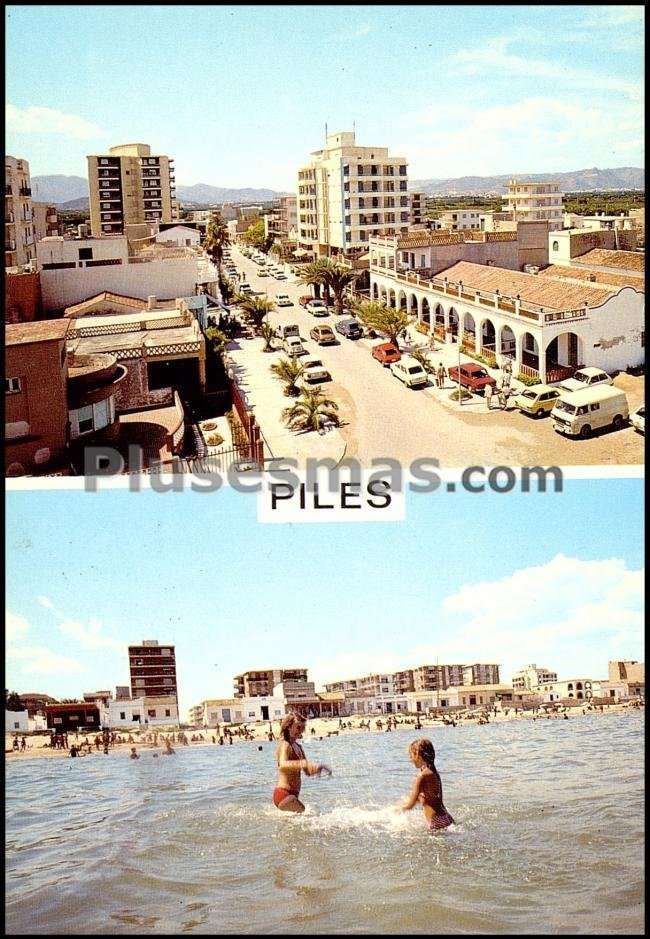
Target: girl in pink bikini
{"type": "Point", "coordinates": [291, 762]}
{"type": "Point", "coordinates": [427, 788]}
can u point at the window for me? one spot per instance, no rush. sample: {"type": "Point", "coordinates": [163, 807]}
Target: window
{"type": "Point", "coordinates": [167, 712]}
{"type": "Point", "coordinates": [12, 386]}
{"type": "Point", "coordinates": [85, 419]}
{"type": "Point", "coordinates": [151, 712]}
{"type": "Point", "coordinates": [85, 254]}
{"type": "Point", "coordinates": [122, 715]}
{"type": "Point", "coordinates": [556, 245]}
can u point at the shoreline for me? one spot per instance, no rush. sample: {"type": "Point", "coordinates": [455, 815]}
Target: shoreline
{"type": "Point", "coordinates": [37, 748]}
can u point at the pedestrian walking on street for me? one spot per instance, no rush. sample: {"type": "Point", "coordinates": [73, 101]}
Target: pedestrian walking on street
{"type": "Point", "coordinates": [488, 397]}
{"type": "Point", "coordinates": [441, 375]}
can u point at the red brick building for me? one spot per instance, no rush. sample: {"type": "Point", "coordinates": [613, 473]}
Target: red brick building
{"type": "Point", "coordinates": [153, 669]}
{"type": "Point", "coordinates": [64, 718]}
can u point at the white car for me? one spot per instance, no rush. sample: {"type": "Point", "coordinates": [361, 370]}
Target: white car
{"type": "Point", "coordinates": [283, 299]}
{"type": "Point", "coordinates": [637, 419]}
{"type": "Point", "coordinates": [293, 346]}
{"type": "Point", "coordinates": [279, 274]}
{"type": "Point", "coordinates": [317, 308]}
{"type": "Point", "coordinates": [314, 370]}
{"type": "Point", "coordinates": [262, 272]}
{"type": "Point", "coordinates": [245, 287]}
{"type": "Point", "coordinates": [409, 371]}
{"type": "Point", "coordinates": [585, 378]}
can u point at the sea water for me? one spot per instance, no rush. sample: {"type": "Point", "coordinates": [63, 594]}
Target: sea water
{"type": "Point", "coordinates": [548, 837]}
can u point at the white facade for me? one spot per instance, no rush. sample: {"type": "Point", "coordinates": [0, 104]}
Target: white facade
{"type": "Point", "coordinates": [180, 235]}
{"type": "Point", "coordinates": [543, 339]}
{"type": "Point", "coordinates": [19, 215]}
{"type": "Point", "coordinates": [578, 689]}
{"type": "Point", "coordinates": [16, 722]}
{"type": "Point", "coordinates": [74, 269]}
{"type": "Point", "coordinates": [376, 704]}
{"type": "Point", "coordinates": [347, 193]}
{"type": "Point", "coordinates": [458, 219]}
{"type": "Point", "coordinates": [530, 676]}
{"type": "Point", "coordinates": [540, 201]}
{"type": "Point", "coordinates": [244, 710]}
{"type": "Point", "coordinates": [139, 712]}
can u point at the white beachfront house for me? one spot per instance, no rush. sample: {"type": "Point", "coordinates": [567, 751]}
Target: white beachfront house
{"type": "Point", "coordinates": [16, 722]}
{"type": "Point", "coordinates": [242, 710]}
{"type": "Point", "coordinates": [548, 325]}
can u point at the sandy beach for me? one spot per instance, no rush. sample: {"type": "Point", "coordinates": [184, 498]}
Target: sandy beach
{"type": "Point", "coordinates": [38, 745]}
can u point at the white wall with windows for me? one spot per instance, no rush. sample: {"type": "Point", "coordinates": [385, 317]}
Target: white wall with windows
{"type": "Point", "coordinates": [91, 417]}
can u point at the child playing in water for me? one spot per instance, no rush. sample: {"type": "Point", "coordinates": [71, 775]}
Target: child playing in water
{"type": "Point", "coordinates": [291, 762]}
{"type": "Point", "coordinates": [427, 788]}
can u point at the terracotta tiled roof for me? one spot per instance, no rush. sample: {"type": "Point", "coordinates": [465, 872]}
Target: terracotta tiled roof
{"type": "Point", "coordinates": [424, 239]}
{"type": "Point", "coordinates": [590, 276]}
{"type": "Point", "coordinates": [106, 296]}
{"type": "Point", "coordinates": [542, 291]}
{"type": "Point", "coordinates": [17, 334]}
{"type": "Point", "coordinates": [625, 260]}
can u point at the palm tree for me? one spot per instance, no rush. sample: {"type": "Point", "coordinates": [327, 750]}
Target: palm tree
{"type": "Point", "coordinates": [382, 318]}
{"type": "Point", "coordinates": [216, 238]}
{"type": "Point", "coordinates": [311, 411]}
{"type": "Point", "coordinates": [218, 339]}
{"type": "Point", "coordinates": [268, 335]}
{"type": "Point", "coordinates": [338, 279]}
{"type": "Point", "coordinates": [288, 371]}
{"type": "Point", "coordinates": [316, 274]}
{"type": "Point", "coordinates": [254, 310]}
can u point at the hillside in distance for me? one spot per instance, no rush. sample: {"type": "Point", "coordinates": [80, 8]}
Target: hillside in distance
{"type": "Point", "coordinates": [588, 180]}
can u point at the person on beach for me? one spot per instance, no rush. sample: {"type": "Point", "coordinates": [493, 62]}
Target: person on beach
{"type": "Point", "coordinates": [427, 788]}
{"type": "Point", "coordinates": [168, 748]}
{"type": "Point", "coordinates": [291, 762]}
{"type": "Point", "coordinates": [133, 755]}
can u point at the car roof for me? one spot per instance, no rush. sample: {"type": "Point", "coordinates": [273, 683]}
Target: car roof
{"type": "Point", "coordinates": [591, 370]}
{"type": "Point", "coordinates": [596, 392]}
{"type": "Point", "coordinates": [540, 389]}
{"type": "Point", "coordinates": [409, 360]}
{"type": "Point", "coordinates": [473, 366]}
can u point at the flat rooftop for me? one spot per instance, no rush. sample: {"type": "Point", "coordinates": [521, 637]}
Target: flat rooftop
{"type": "Point", "coordinates": [135, 339]}
{"type": "Point", "coordinates": [18, 334]}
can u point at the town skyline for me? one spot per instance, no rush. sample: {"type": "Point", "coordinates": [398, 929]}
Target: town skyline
{"type": "Point", "coordinates": [500, 93]}
{"type": "Point", "coordinates": [570, 606]}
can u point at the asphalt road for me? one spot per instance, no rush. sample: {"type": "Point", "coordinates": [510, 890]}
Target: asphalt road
{"type": "Point", "coordinates": [383, 418]}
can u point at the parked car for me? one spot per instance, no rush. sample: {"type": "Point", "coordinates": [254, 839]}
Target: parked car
{"type": "Point", "coordinates": [245, 287]}
{"type": "Point", "coordinates": [386, 353]}
{"type": "Point", "coordinates": [409, 371]}
{"type": "Point", "coordinates": [314, 370]}
{"type": "Point", "coordinates": [283, 299]}
{"type": "Point", "coordinates": [323, 335]}
{"type": "Point", "coordinates": [293, 346]}
{"type": "Point", "coordinates": [585, 378]}
{"type": "Point", "coordinates": [637, 419]}
{"type": "Point", "coordinates": [537, 400]}
{"type": "Point", "coordinates": [291, 329]}
{"type": "Point", "coordinates": [472, 376]}
{"type": "Point", "coordinates": [307, 298]}
{"type": "Point", "coordinates": [279, 275]}
{"type": "Point", "coordinates": [579, 413]}
{"type": "Point", "coordinates": [349, 327]}
{"type": "Point", "coordinates": [317, 308]}
{"type": "Point", "coordinates": [262, 272]}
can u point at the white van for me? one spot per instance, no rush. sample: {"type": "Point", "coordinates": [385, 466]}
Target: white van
{"type": "Point", "coordinates": [293, 346]}
{"type": "Point", "coordinates": [579, 413]}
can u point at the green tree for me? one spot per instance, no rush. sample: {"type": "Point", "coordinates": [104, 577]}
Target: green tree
{"type": "Point", "coordinates": [255, 310]}
{"type": "Point", "coordinates": [267, 333]}
{"type": "Point", "coordinates": [382, 318]}
{"type": "Point", "coordinates": [311, 411]}
{"type": "Point", "coordinates": [13, 702]}
{"type": "Point", "coordinates": [254, 235]}
{"type": "Point", "coordinates": [288, 371]}
{"type": "Point", "coordinates": [316, 275]}
{"type": "Point", "coordinates": [338, 279]}
{"type": "Point", "coordinates": [216, 238]}
{"type": "Point", "coordinates": [218, 340]}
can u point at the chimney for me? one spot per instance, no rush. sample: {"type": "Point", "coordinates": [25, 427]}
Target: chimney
{"type": "Point", "coordinates": [151, 302]}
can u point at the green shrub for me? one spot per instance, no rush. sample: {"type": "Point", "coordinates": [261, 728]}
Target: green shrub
{"type": "Point", "coordinates": [464, 395]}
{"type": "Point", "coordinates": [214, 440]}
{"type": "Point", "coordinates": [527, 379]}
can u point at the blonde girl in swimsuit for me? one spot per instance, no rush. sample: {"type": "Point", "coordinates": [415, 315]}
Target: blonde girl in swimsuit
{"type": "Point", "coordinates": [427, 788]}
{"type": "Point", "coordinates": [291, 762]}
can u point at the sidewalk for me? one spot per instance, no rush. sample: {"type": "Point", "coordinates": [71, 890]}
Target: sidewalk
{"type": "Point", "coordinates": [265, 396]}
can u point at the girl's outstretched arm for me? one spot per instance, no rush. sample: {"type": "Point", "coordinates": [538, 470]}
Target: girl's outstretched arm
{"type": "Point", "coordinates": [414, 796]}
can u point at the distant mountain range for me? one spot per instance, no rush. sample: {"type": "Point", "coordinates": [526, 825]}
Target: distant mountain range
{"type": "Point", "coordinates": [622, 177]}
{"type": "Point", "coordinates": [71, 192]}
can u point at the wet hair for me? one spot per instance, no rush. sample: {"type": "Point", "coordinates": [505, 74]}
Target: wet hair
{"type": "Point", "coordinates": [424, 749]}
{"type": "Point", "coordinates": [291, 720]}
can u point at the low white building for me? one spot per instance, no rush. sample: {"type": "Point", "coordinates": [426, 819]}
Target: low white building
{"type": "Point", "coordinates": [579, 689]}
{"type": "Point", "coordinates": [467, 696]}
{"type": "Point", "coordinates": [181, 236]}
{"type": "Point", "coordinates": [547, 325]}
{"type": "Point", "coordinates": [244, 710]}
{"type": "Point", "coordinates": [376, 704]}
{"type": "Point", "coordinates": [73, 269]}
{"type": "Point", "coordinates": [146, 712]}
{"type": "Point", "coordinates": [16, 722]}
{"type": "Point", "coordinates": [530, 676]}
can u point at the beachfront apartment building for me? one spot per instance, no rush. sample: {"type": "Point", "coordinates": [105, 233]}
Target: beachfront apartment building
{"type": "Point", "coordinates": [422, 678]}
{"type": "Point", "coordinates": [261, 682]}
{"type": "Point", "coordinates": [347, 193]}
{"type": "Point", "coordinates": [129, 186]}
{"type": "Point", "coordinates": [539, 201]}
{"type": "Point", "coordinates": [152, 669]}
{"type": "Point", "coordinates": [19, 213]}
{"type": "Point", "coordinates": [547, 324]}
{"type": "Point", "coordinates": [578, 689]}
{"type": "Point", "coordinates": [281, 223]}
{"type": "Point", "coordinates": [531, 676]}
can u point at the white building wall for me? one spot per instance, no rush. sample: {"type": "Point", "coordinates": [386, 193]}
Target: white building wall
{"type": "Point", "coordinates": [16, 721]}
{"type": "Point", "coordinates": [180, 236]}
{"type": "Point", "coordinates": [244, 711]}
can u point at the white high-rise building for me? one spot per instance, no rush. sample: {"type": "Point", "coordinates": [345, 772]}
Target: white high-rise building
{"type": "Point", "coordinates": [530, 676]}
{"type": "Point", "coordinates": [19, 218]}
{"type": "Point", "coordinates": [347, 193]}
{"type": "Point", "coordinates": [538, 202]}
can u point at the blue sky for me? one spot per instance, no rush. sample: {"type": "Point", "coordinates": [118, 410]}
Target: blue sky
{"type": "Point", "coordinates": [554, 579]}
{"type": "Point", "coordinates": [240, 95]}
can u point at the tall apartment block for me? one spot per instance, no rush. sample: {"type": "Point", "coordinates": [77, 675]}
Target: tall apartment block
{"type": "Point", "coordinates": [130, 186]}
{"type": "Point", "coordinates": [262, 681]}
{"type": "Point", "coordinates": [423, 678]}
{"type": "Point", "coordinates": [536, 202]}
{"type": "Point", "coordinates": [347, 193]}
{"type": "Point", "coordinates": [19, 217]}
{"type": "Point", "coordinates": [153, 669]}
{"type": "Point", "coordinates": [418, 206]}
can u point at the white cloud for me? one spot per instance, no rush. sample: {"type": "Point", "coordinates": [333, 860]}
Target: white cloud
{"type": "Point", "coordinates": [40, 120]}
{"type": "Point", "coordinates": [39, 660]}
{"type": "Point", "coordinates": [46, 603]}
{"type": "Point", "coordinates": [89, 635]}
{"type": "Point", "coordinates": [16, 626]}
{"type": "Point", "coordinates": [606, 17]}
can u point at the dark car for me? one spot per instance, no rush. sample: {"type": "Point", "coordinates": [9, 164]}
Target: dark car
{"type": "Point", "coordinates": [386, 353]}
{"type": "Point", "coordinates": [472, 376]}
{"type": "Point", "coordinates": [349, 327]}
